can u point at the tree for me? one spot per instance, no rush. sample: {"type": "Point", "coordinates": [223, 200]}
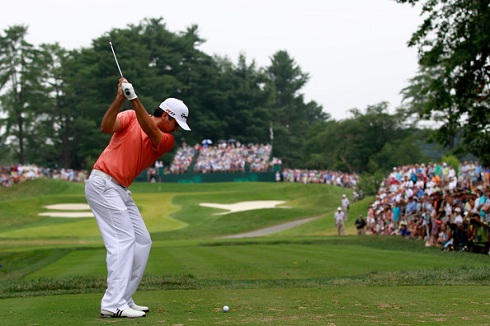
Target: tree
{"type": "Point", "coordinates": [369, 142]}
{"type": "Point", "coordinates": [243, 102]}
{"type": "Point", "coordinates": [454, 54]}
{"type": "Point", "coordinates": [22, 91]}
{"type": "Point", "coordinates": [291, 117]}
{"type": "Point", "coordinates": [50, 142]}
{"type": "Point", "coordinates": [320, 146]}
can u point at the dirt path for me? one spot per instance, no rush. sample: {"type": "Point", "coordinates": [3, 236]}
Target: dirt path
{"type": "Point", "coordinates": [270, 230]}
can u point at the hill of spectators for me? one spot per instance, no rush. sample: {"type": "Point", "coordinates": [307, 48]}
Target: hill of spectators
{"type": "Point", "coordinates": [223, 157]}
{"type": "Point", "coordinates": [329, 177]}
{"type": "Point", "coordinates": [443, 206]}
{"type": "Point", "coordinates": [14, 174]}
{"type": "Point", "coordinates": [183, 158]}
{"type": "Point", "coordinates": [237, 157]}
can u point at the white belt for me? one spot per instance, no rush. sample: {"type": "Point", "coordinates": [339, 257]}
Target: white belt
{"type": "Point", "coordinates": [106, 176]}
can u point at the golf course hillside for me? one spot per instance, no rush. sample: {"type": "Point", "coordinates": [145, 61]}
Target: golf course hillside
{"type": "Point", "coordinates": [268, 251]}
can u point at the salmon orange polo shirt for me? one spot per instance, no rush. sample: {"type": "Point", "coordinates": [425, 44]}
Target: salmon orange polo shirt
{"type": "Point", "coordinates": [130, 150]}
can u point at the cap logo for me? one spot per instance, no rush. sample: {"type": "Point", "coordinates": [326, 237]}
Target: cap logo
{"type": "Point", "coordinates": [172, 113]}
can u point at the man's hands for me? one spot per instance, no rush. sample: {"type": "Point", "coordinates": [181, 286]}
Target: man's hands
{"type": "Point", "coordinates": [128, 91]}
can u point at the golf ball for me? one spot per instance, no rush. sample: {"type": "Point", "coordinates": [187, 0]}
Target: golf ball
{"type": "Point", "coordinates": [226, 308]}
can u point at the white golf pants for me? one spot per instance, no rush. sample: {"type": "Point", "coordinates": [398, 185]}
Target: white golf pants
{"type": "Point", "coordinates": [125, 237]}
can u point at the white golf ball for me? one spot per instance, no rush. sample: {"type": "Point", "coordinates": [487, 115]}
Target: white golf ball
{"type": "Point", "coordinates": [226, 308]}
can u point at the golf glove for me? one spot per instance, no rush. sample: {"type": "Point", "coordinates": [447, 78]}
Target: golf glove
{"type": "Point", "coordinates": [128, 91]}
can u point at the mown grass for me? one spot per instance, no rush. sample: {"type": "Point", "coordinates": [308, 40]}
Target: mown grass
{"type": "Point", "coordinates": [53, 269]}
{"type": "Point", "coordinates": [336, 305]}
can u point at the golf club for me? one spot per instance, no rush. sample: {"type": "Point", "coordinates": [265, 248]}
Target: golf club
{"type": "Point", "coordinates": [115, 58]}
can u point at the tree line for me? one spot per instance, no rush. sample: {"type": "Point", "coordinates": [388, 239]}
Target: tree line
{"type": "Point", "coordinates": [52, 99]}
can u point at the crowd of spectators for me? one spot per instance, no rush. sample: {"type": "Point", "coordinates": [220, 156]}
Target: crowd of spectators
{"type": "Point", "coordinates": [223, 157]}
{"type": "Point", "coordinates": [329, 177]}
{"type": "Point", "coordinates": [227, 156]}
{"type": "Point", "coordinates": [236, 157]}
{"type": "Point", "coordinates": [183, 158]}
{"type": "Point", "coordinates": [443, 205]}
{"type": "Point", "coordinates": [15, 174]}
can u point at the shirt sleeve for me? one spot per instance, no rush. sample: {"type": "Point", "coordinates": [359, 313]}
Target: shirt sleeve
{"type": "Point", "coordinates": [166, 143]}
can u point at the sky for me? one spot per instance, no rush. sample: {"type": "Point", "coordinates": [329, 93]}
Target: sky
{"type": "Point", "coordinates": [355, 51]}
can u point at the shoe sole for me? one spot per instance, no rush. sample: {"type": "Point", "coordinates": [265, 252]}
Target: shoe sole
{"type": "Point", "coordinates": [116, 316]}
{"type": "Point", "coordinates": [113, 316]}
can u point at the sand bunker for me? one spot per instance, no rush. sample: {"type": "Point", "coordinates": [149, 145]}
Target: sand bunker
{"type": "Point", "coordinates": [244, 206]}
{"type": "Point", "coordinates": [68, 214]}
{"type": "Point", "coordinates": [75, 211]}
{"type": "Point", "coordinates": [83, 210]}
{"type": "Point", "coordinates": [69, 207]}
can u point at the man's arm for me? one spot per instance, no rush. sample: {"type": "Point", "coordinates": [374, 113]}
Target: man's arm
{"type": "Point", "coordinates": [146, 122]}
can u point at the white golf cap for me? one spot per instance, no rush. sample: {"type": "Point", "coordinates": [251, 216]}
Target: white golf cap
{"type": "Point", "coordinates": [339, 209]}
{"type": "Point", "coordinates": [177, 110]}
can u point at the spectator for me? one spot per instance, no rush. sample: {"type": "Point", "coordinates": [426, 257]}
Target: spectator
{"type": "Point", "coordinates": [345, 206]}
{"type": "Point", "coordinates": [356, 196]}
{"type": "Point", "coordinates": [360, 225]}
{"type": "Point", "coordinates": [159, 168]}
{"type": "Point", "coordinates": [404, 230]}
{"type": "Point", "coordinates": [339, 221]}
{"type": "Point", "coordinates": [448, 243]}
{"type": "Point", "coordinates": [370, 220]}
{"type": "Point", "coordinates": [478, 235]}
{"type": "Point", "coordinates": [458, 219]}
{"type": "Point", "coordinates": [152, 174]}
{"type": "Point", "coordinates": [416, 228]}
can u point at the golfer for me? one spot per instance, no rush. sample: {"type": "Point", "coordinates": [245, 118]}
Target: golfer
{"type": "Point", "coordinates": [138, 140]}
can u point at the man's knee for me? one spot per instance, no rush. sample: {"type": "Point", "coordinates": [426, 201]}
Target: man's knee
{"type": "Point", "coordinates": [145, 241]}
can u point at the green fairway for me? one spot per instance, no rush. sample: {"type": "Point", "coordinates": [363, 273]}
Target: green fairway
{"type": "Point", "coordinates": [53, 269]}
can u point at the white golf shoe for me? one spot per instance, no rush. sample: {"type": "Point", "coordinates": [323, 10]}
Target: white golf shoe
{"type": "Point", "coordinates": [126, 313]}
{"type": "Point", "coordinates": [140, 308]}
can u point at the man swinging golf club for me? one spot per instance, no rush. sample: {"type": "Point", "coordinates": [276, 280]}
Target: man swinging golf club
{"type": "Point", "coordinates": [138, 140]}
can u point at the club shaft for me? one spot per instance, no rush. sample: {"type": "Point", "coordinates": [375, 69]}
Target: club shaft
{"type": "Point", "coordinates": [115, 58]}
